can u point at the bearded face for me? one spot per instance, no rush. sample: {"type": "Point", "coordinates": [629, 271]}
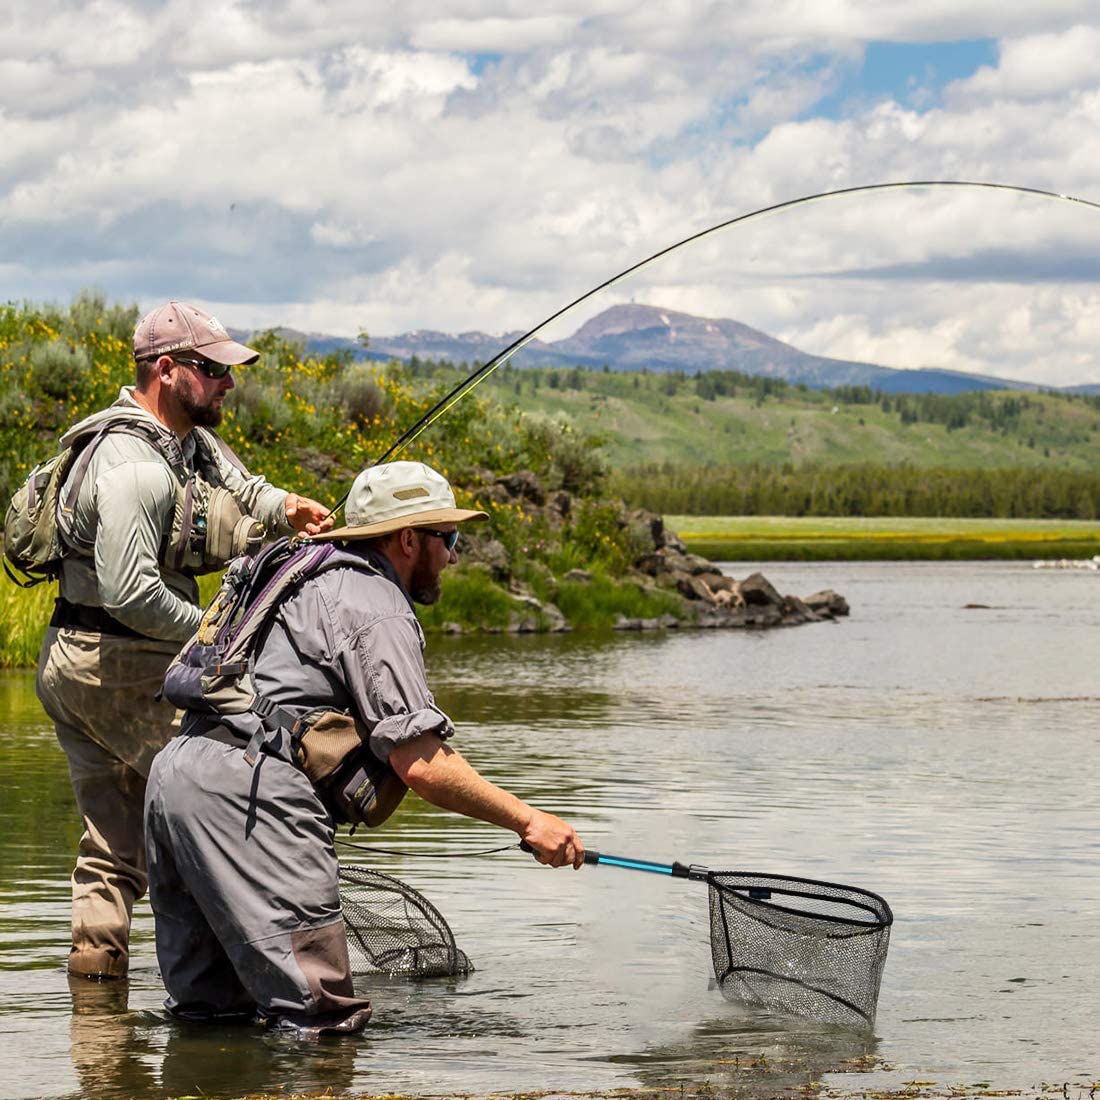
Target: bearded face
{"type": "Point", "coordinates": [424, 584]}
{"type": "Point", "coordinates": [205, 410]}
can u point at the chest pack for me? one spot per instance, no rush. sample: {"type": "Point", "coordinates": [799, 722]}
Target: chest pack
{"type": "Point", "coordinates": [208, 526]}
{"type": "Point", "coordinates": [213, 677]}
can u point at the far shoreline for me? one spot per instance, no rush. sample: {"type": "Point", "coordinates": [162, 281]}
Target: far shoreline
{"type": "Point", "coordinates": [902, 538]}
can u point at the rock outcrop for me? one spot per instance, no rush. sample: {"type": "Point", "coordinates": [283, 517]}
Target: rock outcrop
{"type": "Point", "coordinates": [711, 599]}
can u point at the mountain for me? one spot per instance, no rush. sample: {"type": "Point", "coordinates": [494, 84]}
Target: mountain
{"type": "Point", "coordinates": [629, 337]}
{"type": "Point", "coordinates": [635, 337]}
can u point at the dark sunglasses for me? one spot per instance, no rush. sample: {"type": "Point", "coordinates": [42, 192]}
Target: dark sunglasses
{"type": "Point", "coordinates": [205, 366]}
{"type": "Point", "coordinates": [450, 538]}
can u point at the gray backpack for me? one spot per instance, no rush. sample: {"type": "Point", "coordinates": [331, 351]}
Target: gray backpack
{"type": "Point", "coordinates": [212, 676]}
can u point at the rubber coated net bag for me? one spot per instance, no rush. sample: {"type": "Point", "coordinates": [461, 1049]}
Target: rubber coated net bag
{"type": "Point", "coordinates": [394, 929]}
{"type": "Point", "coordinates": [799, 947]}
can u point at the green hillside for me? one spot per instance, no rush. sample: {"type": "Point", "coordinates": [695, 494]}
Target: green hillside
{"type": "Point", "coordinates": [727, 419]}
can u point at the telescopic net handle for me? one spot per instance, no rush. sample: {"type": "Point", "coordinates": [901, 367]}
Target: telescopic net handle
{"type": "Point", "coordinates": [675, 870]}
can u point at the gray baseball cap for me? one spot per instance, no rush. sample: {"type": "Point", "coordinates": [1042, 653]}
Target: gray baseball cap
{"type": "Point", "coordinates": [178, 326]}
{"type": "Point", "coordinates": [398, 494]}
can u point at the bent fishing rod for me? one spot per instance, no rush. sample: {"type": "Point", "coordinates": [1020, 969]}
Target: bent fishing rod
{"type": "Point", "coordinates": [476, 377]}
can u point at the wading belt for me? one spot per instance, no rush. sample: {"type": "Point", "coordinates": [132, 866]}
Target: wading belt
{"type": "Point", "coordinates": [93, 619]}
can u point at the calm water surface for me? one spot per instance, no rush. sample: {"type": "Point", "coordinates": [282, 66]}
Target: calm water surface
{"type": "Point", "coordinates": [941, 756]}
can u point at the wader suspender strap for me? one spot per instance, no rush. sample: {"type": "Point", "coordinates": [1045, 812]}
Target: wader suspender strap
{"type": "Point", "coordinates": [148, 435]}
{"type": "Point", "coordinates": [227, 452]}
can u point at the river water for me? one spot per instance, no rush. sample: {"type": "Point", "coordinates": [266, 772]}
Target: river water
{"type": "Point", "coordinates": [942, 756]}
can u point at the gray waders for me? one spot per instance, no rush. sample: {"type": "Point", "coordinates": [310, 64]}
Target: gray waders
{"type": "Point", "coordinates": [244, 890]}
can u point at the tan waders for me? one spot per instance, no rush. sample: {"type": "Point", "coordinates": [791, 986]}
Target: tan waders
{"type": "Point", "coordinates": [99, 689]}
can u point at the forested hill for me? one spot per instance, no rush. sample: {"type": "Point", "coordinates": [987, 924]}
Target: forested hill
{"type": "Point", "coordinates": [727, 418]}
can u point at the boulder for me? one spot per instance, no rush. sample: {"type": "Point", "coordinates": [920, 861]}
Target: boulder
{"type": "Point", "coordinates": [795, 611]}
{"type": "Point", "coordinates": [522, 485]}
{"type": "Point", "coordinates": [578, 576]}
{"type": "Point", "coordinates": [485, 551]}
{"type": "Point", "coordinates": [757, 591]}
{"type": "Point", "coordinates": [827, 603]}
{"type": "Point", "coordinates": [556, 622]}
{"type": "Point", "coordinates": [697, 564]}
{"type": "Point", "coordinates": [693, 588]}
{"type": "Point", "coordinates": [720, 582]}
{"type": "Point", "coordinates": [562, 503]}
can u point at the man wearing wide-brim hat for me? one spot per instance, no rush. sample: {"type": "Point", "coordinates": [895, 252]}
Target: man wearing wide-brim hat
{"type": "Point", "coordinates": [230, 940]}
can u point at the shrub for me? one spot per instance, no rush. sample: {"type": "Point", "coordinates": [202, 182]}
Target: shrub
{"type": "Point", "coordinates": [357, 393]}
{"type": "Point", "coordinates": [59, 369]}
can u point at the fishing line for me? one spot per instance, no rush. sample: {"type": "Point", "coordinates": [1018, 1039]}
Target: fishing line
{"type": "Point", "coordinates": [481, 373]}
{"type": "Point", "coordinates": [424, 855]}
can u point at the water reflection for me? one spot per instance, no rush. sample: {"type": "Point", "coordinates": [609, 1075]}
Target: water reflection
{"type": "Point", "coordinates": [120, 1053]}
{"type": "Point", "coordinates": [943, 758]}
{"type": "Point", "coordinates": [753, 1056]}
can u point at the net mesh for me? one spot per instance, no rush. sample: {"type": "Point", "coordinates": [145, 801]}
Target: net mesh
{"type": "Point", "coordinates": [799, 947]}
{"type": "Point", "coordinates": [394, 929]}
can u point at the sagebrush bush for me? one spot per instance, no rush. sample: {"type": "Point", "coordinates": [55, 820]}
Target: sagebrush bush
{"type": "Point", "coordinates": [60, 369]}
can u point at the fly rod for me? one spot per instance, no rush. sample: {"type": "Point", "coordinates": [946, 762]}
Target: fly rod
{"type": "Point", "coordinates": [477, 376]}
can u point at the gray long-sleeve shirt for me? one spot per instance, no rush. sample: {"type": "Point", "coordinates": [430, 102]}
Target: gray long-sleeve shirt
{"type": "Point", "coordinates": [346, 640]}
{"type": "Point", "coordinates": [121, 517]}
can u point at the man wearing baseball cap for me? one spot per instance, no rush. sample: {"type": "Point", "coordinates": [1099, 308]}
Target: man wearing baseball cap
{"type": "Point", "coordinates": [153, 498]}
{"type": "Point", "coordinates": [243, 873]}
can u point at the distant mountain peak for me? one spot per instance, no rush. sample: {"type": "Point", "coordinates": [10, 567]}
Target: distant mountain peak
{"type": "Point", "coordinates": [632, 336]}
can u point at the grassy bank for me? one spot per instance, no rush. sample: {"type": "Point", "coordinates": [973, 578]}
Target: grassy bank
{"type": "Point", "coordinates": [310, 423]}
{"type": "Point", "coordinates": [828, 538]}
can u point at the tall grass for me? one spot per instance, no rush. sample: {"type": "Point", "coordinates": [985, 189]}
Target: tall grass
{"type": "Point", "coordinates": [24, 613]}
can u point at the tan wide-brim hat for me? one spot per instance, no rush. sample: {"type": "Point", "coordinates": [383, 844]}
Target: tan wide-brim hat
{"type": "Point", "coordinates": [394, 495]}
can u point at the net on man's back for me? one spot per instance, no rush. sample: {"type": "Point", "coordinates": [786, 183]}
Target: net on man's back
{"type": "Point", "coordinates": [394, 929]}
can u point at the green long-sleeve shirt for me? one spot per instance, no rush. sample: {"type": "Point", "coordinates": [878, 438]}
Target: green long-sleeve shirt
{"type": "Point", "coordinates": [122, 516]}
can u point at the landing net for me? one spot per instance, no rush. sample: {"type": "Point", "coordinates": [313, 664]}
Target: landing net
{"type": "Point", "coordinates": [394, 929]}
{"type": "Point", "coordinates": [799, 947]}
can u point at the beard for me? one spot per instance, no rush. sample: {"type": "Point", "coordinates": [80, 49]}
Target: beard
{"type": "Point", "coordinates": [424, 584]}
{"type": "Point", "coordinates": [203, 414]}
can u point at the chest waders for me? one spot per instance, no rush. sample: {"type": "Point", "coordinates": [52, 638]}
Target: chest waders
{"type": "Point", "coordinates": [213, 676]}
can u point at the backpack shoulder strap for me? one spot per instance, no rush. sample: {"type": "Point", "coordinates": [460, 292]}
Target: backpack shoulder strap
{"type": "Point", "coordinates": [210, 440]}
{"type": "Point", "coordinates": [86, 444]}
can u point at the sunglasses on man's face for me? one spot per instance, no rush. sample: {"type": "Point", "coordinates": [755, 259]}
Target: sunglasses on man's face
{"type": "Point", "coordinates": [208, 367]}
{"type": "Point", "coordinates": [450, 538]}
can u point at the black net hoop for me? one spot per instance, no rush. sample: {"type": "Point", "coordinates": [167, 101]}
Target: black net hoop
{"type": "Point", "coordinates": [393, 929]}
{"type": "Point", "coordinates": [799, 947]}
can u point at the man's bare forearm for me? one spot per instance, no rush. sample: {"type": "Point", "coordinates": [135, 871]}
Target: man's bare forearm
{"type": "Point", "coordinates": [442, 776]}
{"type": "Point", "coordinates": [445, 778]}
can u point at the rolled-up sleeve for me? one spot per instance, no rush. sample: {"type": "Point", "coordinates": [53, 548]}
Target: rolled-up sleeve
{"type": "Point", "coordinates": [383, 667]}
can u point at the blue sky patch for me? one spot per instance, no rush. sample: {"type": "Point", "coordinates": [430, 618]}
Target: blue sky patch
{"type": "Point", "coordinates": [913, 74]}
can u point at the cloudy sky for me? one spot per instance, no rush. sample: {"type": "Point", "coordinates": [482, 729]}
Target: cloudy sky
{"type": "Point", "coordinates": [476, 164]}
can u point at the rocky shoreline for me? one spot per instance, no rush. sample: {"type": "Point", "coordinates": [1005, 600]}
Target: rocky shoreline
{"type": "Point", "coordinates": [709, 598]}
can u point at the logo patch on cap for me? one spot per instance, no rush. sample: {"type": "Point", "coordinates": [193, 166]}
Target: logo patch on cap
{"type": "Point", "coordinates": [409, 494]}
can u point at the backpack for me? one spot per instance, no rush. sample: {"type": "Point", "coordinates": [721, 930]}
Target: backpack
{"type": "Point", "coordinates": [212, 677]}
{"type": "Point", "coordinates": [208, 525]}
{"type": "Point", "coordinates": [32, 542]}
